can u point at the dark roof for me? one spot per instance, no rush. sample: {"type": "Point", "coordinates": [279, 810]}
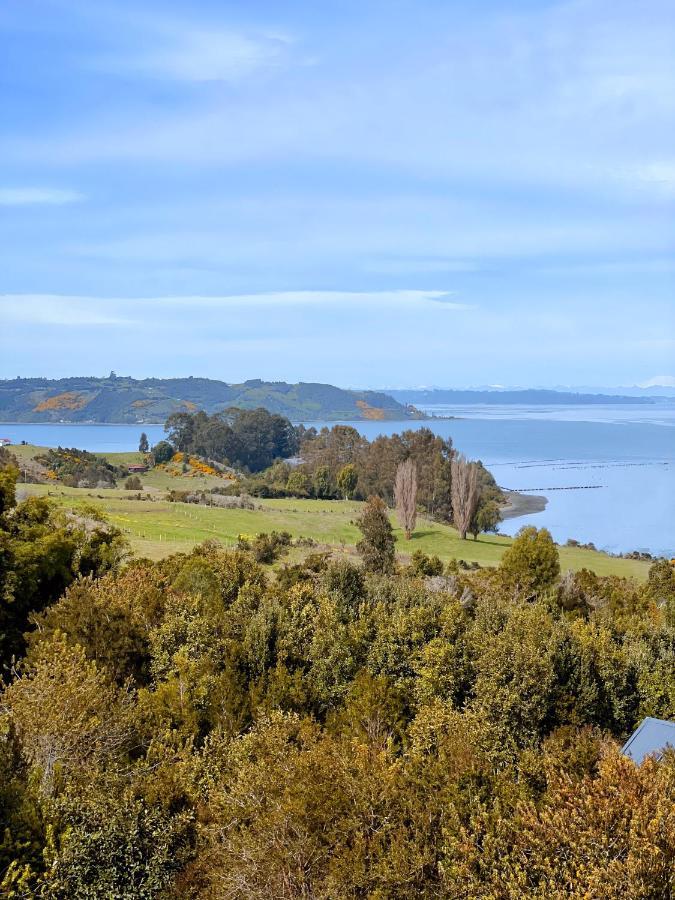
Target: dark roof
{"type": "Point", "coordinates": [652, 736]}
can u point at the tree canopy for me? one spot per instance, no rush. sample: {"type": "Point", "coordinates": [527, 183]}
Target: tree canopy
{"type": "Point", "coordinates": [207, 726]}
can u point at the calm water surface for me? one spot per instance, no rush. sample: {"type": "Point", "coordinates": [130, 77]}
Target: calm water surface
{"type": "Point", "coordinates": [608, 472]}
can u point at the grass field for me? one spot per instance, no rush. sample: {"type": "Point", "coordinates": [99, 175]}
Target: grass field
{"type": "Point", "coordinates": [156, 528]}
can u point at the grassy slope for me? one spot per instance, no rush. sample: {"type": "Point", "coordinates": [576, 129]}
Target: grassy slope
{"type": "Point", "coordinates": [156, 527]}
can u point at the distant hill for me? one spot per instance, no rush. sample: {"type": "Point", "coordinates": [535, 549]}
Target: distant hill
{"type": "Point", "coordinates": [118, 399]}
{"type": "Point", "coordinates": [528, 397]}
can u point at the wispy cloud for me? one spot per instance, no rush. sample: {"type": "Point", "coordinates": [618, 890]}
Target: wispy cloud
{"type": "Point", "coordinates": [203, 55]}
{"type": "Point", "coordinates": [318, 299]}
{"type": "Point", "coordinates": [54, 310]}
{"type": "Point", "coordinates": [660, 174]}
{"type": "Point", "coordinates": [36, 196]}
{"type": "Point", "coordinates": [186, 49]}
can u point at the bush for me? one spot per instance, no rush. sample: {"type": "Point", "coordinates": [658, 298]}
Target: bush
{"type": "Point", "coordinates": [266, 548]}
{"type": "Point", "coordinates": [423, 565]}
{"type": "Point", "coordinates": [162, 453]}
{"type": "Point", "coordinates": [133, 483]}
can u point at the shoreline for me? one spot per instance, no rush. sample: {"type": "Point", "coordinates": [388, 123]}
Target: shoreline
{"type": "Point", "coordinates": [522, 504]}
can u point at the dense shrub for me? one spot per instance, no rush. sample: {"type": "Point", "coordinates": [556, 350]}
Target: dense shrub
{"type": "Point", "coordinates": [202, 728]}
{"type": "Point", "coordinates": [79, 468]}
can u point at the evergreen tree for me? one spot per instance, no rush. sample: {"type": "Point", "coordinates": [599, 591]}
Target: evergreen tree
{"type": "Point", "coordinates": [377, 546]}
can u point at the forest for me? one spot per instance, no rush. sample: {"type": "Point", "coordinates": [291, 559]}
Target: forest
{"type": "Point", "coordinates": [204, 727]}
{"type": "Point", "coordinates": [335, 463]}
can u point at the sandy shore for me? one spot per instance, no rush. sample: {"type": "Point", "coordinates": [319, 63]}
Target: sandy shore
{"type": "Point", "coordinates": [522, 504]}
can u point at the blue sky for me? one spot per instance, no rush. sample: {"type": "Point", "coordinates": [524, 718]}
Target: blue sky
{"type": "Point", "coordinates": [366, 193]}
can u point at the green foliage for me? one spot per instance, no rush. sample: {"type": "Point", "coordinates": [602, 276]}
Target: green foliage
{"type": "Point", "coordinates": [250, 439]}
{"type": "Point", "coordinates": [661, 587]}
{"type": "Point", "coordinates": [531, 563]}
{"type": "Point", "coordinates": [196, 728]}
{"type": "Point", "coordinates": [162, 452]}
{"type": "Point", "coordinates": [486, 518]}
{"type": "Point", "coordinates": [8, 477]}
{"type": "Point", "coordinates": [297, 484]}
{"type": "Point", "coordinates": [422, 565]}
{"type": "Point", "coordinates": [266, 548]}
{"type": "Point", "coordinates": [347, 479]}
{"type": "Point", "coordinates": [114, 846]}
{"type": "Point", "coordinates": [143, 443]}
{"type": "Point", "coordinates": [79, 468]}
{"type": "Point", "coordinates": [370, 466]}
{"type": "Point", "coordinates": [376, 548]}
{"type": "Point", "coordinates": [42, 551]}
{"type": "Point", "coordinates": [321, 483]}
{"type": "Point", "coordinates": [133, 483]}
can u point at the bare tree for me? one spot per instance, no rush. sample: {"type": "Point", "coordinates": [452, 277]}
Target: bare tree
{"type": "Point", "coordinates": [405, 495]}
{"type": "Point", "coordinates": [464, 493]}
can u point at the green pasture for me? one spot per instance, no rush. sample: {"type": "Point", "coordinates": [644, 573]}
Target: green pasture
{"type": "Point", "coordinates": [156, 527]}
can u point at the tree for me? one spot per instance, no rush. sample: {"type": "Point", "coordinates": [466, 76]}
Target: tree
{"type": "Point", "coordinates": [248, 438]}
{"type": "Point", "coordinates": [42, 551]}
{"type": "Point", "coordinates": [464, 493]}
{"type": "Point", "coordinates": [144, 443]}
{"type": "Point", "coordinates": [661, 587]}
{"type": "Point", "coordinates": [347, 480]}
{"type": "Point", "coordinates": [531, 564]}
{"type": "Point", "coordinates": [8, 479]}
{"type": "Point", "coordinates": [405, 495]}
{"type": "Point", "coordinates": [377, 546]}
{"type": "Point", "coordinates": [116, 846]}
{"type": "Point", "coordinates": [162, 452]}
{"type": "Point", "coordinates": [322, 482]}
{"type": "Point", "coordinates": [297, 483]}
{"type": "Point", "coordinates": [180, 428]}
{"type": "Point", "coordinates": [486, 517]}
{"type": "Point", "coordinates": [133, 483]}
{"type": "Point", "coordinates": [67, 722]}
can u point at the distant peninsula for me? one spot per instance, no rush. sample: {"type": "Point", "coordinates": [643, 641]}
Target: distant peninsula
{"type": "Point", "coordinates": [528, 397]}
{"type": "Point", "coordinates": [120, 399]}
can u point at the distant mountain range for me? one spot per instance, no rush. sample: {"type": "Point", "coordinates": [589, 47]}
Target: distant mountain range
{"type": "Point", "coordinates": [500, 397]}
{"type": "Point", "coordinates": [118, 399]}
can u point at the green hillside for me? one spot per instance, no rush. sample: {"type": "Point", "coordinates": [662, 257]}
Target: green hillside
{"type": "Point", "coordinates": [122, 399]}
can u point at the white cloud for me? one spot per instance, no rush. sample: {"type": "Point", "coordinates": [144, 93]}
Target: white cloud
{"type": "Point", "coordinates": [49, 309]}
{"type": "Point", "coordinates": [659, 174]}
{"type": "Point", "coordinates": [204, 55]}
{"type": "Point", "coordinates": [30, 196]}
{"type": "Point", "coordinates": [55, 309]}
{"type": "Point", "coordinates": [659, 381]}
{"type": "Point", "coordinates": [185, 49]}
{"type": "Point", "coordinates": [564, 94]}
{"type": "Point", "coordinates": [389, 299]}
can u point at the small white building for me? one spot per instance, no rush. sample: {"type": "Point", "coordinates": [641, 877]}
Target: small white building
{"type": "Point", "coordinates": [5, 442]}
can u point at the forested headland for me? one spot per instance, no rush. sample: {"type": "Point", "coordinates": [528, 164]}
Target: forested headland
{"type": "Point", "coordinates": [119, 398]}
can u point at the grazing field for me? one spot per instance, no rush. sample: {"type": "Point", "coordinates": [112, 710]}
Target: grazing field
{"type": "Point", "coordinates": [156, 527]}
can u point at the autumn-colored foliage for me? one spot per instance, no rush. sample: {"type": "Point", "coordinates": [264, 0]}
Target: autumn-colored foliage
{"type": "Point", "coordinates": [203, 728]}
{"type": "Point", "coordinates": [370, 412]}
{"type": "Point", "coordinates": [71, 400]}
